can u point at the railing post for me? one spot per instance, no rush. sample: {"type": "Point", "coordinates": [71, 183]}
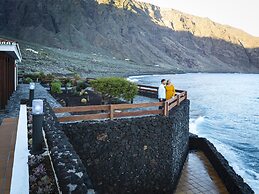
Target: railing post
{"type": "Point", "coordinates": [178, 99]}
{"type": "Point", "coordinates": [168, 104]}
{"type": "Point", "coordinates": [166, 108]}
{"type": "Point", "coordinates": [111, 112]}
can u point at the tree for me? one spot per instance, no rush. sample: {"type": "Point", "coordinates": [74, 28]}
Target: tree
{"type": "Point", "coordinates": [114, 87]}
{"type": "Point", "coordinates": [56, 87]}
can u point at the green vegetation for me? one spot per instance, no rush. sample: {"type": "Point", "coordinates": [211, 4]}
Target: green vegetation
{"type": "Point", "coordinates": [114, 87]}
{"type": "Point", "coordinates": [56, 87]}
{"type": "Point", "coordinates": [77, 76]}
{"type": "Point", "coordinates": [27, 80]}
{"type": "Point", "coordinates": [48, 78]}
{"type": "Point", "coordinates": [40, 77]}
{"type": "Point", "coordinates": [68, 82]}
{"type": "Point", "coordinates": [81, 85]}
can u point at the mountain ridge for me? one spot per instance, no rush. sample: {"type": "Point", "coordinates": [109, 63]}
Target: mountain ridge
{"type": "Point", "coordinates": [146, 35]}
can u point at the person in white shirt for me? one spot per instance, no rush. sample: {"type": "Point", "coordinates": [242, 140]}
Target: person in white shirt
{"type": "Point", "coordinates": [162, 91]}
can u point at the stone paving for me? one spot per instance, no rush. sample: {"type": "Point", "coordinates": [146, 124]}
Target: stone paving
{"type": "Point", "coordinates": [199, 176]}
{"type": "Point", "coordinates": [22, 92]}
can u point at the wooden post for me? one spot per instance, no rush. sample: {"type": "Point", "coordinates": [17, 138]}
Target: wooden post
{"type": "Point", "coordinates": [111, 112]}
{"type": "Point", "coordinates": [168, 105]}
{"type": "Point", "coordinates": [166, 108]}
{"type": "Point", "coordinates": [178, 100]}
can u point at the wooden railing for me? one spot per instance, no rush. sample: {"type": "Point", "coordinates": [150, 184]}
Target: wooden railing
{"type": "Point", "coordinates": [118, 110]}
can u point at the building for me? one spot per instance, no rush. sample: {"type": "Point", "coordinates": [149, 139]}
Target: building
{"type": "Point", "coordinates": [9, 56]}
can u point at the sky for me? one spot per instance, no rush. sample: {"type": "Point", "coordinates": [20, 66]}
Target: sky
{"type": "Point", "coordinates": [242, 14]}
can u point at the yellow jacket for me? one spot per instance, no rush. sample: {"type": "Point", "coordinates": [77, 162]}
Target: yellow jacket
{"type": "Point", "coordinates": [170, 91]}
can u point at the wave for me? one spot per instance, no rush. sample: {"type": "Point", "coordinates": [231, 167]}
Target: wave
{"type": "Point", "coordinates": [243, 169]}
{"type": "Point", "coordinates": [194, 124]}
{"type": "Point", "coordinates": [249, 176]}
{"type": "Point", "coordinates": [136, 76]}
{"type": "Point", "coordinates": [133, 80]}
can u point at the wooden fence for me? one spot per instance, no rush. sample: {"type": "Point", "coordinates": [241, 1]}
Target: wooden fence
{"type": "Point", "coordinates": [118, 110]}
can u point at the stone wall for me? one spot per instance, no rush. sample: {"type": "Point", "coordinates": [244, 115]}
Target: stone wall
{"type": "Point", "coordinates": [233, 182]}
{"type": "Point", "coordinates": [70, 171]}
{"type": "Point", "coordinates": [133, 155]}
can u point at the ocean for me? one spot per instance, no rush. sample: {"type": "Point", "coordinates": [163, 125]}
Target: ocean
{"type": "Point", "coordinates": [224, 109]}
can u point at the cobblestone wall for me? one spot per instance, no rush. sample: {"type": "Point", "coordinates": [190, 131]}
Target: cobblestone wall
{"type": "Point", "coordinates": [133, 155]}
{"type": "Point", "coordinates": [71, 173]}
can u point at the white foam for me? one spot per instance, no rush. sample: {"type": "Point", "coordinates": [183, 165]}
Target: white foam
{"type": "Point", "coordinates": [194, 124]}
{"type": "Point", "coordinates": [31, 50]}
{"type": "Point", "coordinates": [249, 176]}
{"type": "Point", "coordinates": [137, 76]}
{"type": "Point", "coordinates": [132, 80]}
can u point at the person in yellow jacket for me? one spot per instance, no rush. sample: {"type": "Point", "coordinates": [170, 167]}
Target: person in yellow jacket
{"type": "Point", "coordinates": [170, 90]}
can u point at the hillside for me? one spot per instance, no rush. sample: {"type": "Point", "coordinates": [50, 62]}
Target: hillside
{"type": "Point", "coordinates": [123, 37]}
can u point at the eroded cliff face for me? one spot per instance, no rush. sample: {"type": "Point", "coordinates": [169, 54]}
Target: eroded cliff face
{"type": "Point", "coordinates": [125, 29]}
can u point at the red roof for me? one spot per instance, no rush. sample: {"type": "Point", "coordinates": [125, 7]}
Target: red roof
{"type": "Point", "coordinates": [6, 41]}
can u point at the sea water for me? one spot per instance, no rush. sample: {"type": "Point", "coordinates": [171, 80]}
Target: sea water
{"type": "Point", "coordinates": [224, 109]}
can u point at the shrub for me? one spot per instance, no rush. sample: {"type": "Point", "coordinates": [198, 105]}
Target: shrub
{"type": "Point", "coordinates": [41, 76]}
{"type": "Point", "coordinates": [77, 76]}
{"type": "Point", "coordinates": [56, 87]}
{"type": "Point", "coordinates": [33, 76]}
{"type": "Point", "coordinates": [114, 87]}
{"type": "Point", "coordinates": [48, 78]}
{"type": "Point", "coordinates": [81, 85]}
{"type": "Point", "coordinates": [27, 80]}
{"type": "Point", "coordinates": [68, 82]}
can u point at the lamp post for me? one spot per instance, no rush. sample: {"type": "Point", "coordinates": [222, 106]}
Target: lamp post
{"type": "Point", "coordinates": [37, 121]}
{"type": "Point", "coordinates": [31, 96]}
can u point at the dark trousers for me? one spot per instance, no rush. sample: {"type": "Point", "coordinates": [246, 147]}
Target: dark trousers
{"type": "Point", "coordinates": [161, 100]}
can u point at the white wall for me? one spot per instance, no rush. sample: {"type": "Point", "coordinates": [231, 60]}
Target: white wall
{"type": "Point", "coordinates": [20, 173]}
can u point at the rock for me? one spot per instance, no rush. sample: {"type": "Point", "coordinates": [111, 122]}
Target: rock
{"type": "Point", "coordinates": [154, 39]}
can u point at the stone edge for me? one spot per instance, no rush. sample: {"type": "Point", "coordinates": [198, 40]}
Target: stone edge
{"type": "Point", "coordinates": [233, 182]}
{"type": "Point", "coordinates": [71, 173]}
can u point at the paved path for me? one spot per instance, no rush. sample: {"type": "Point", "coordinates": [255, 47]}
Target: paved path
{"type": "Point", "coordinates": [22, 92]}
{"type": "Point", "coordinates": [8, 131]}
{"type": "Point", "coordinates": [199, 176]}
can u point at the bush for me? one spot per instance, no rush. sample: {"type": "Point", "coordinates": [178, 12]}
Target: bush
{"type": "Point", "coordinates": [114, 87]}
{"type": "Point", "coordinates": [81, 85]}
{"type": "Point", "coordinates": [41, 76]}
{"type": "Point", "coordinates": [56, 87]}
{"type": "Point", "coordinates": [77, 76]}
{"type": "Point", "coordinates": [48, 78]}
{"type": "Point", "coordinates": [68, 82]}
{"type": "Point", "coordinates": [33, 76]}
{"type": "Point", "coordinates": [27, 80]}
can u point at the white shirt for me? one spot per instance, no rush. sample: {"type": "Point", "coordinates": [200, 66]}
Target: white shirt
{"type": "Point", "coordinates": [161, 92]}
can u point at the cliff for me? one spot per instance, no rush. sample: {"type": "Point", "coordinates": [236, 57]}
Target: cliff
{"type": "Point", "coordinates": [126, 35]}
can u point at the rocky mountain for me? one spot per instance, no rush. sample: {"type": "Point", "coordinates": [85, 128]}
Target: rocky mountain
{"type": "Point", "coordinates": [123, 37]}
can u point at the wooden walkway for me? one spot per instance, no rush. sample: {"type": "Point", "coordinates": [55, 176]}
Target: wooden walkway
{"type": "Point", "coordinates": [8, 131]}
